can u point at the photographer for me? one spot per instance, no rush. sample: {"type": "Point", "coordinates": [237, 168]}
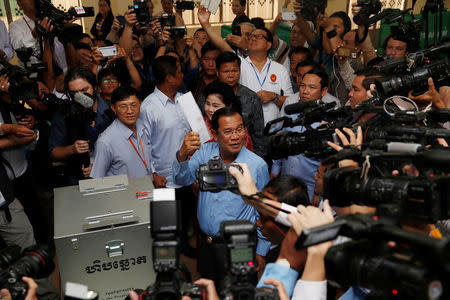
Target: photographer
{"type": "Point", "coordinates": [23, 33]}
{"type": "Point", "coordinates": [213, 208]}
{"type": "Point", "coordinates": [75, 129]}
{"type": "Point", "coordinates": [103, 20]}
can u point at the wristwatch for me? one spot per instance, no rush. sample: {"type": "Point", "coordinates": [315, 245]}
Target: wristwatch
{"type": "Point", "coordinates": [331, 34]}
{"type": "Point", "coordinates": [276, 97]}
{"type": "Point", "coordinates": [283, 262]}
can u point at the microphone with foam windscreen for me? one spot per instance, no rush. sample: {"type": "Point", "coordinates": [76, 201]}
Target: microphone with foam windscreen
{"type": "Point", "coordinates": [301, 106]}
{"type": "Point", "coordinates": [85, 100]}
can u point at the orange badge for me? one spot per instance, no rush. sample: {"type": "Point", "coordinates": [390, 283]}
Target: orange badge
{"type": "Point", "coordinates": [273, 77]}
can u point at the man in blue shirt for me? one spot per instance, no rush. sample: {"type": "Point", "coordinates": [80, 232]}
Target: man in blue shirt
{"type": "Point", "coordinates": [164, 118]}
{"type": "Point", "coordinates": [214, 208]}
{"type": "Point", "coordinates": [124, 147]}
{"type": "Point", "coordinates": [314, 86]}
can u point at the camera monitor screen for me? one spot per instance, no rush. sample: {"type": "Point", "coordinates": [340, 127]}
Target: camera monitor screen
{"type": "Point", "coordinates": [241, 255]}
{"type": "Point", "coordinates": [216, 178]}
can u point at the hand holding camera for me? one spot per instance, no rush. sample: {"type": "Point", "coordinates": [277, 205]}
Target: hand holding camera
{"type": "Point", "coordinates": [31, 294]}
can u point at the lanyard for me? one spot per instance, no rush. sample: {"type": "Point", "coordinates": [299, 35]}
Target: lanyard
{"type": "Point", "coordinates": [28, 24]}
{"type": "Point", "coordinates": [256, 73]}
{"type": "Point", "coordinates": [135, 149]}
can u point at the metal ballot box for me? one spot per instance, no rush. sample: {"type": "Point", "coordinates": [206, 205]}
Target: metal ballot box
{"type": "Point", "coordinates": [102, 234]}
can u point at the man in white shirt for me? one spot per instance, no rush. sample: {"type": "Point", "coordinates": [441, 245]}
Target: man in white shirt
{"type": "Point", "coordinates": [267, 78]}
{"type": "Point", "coordinates": [24, 34]}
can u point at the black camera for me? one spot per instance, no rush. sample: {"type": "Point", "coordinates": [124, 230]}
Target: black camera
{"type": "Point", "coordinates": [214, 176]}
{"type": "Point", "coordinates": [310, 8]}
{"type": "Point", "coordinates": [66, 31]}
{"type": "Point", "coordinates": [416, 80]}
{"type": "Point", "coordinates": [185, 5]}
{"type": "Point", "coordinates": [240, 238]}
{"type": "Point", "coordinates": [177, 32]}
{"type": "Point", "coordinates": [416, 266]}
{"type": "Point", "coordinates": [422, 199]}
{"type": "Point", "coordinates": [167, 20]}
{"type": "Point", "coordinates": [172, 279]}
{"type": "Point", "coordinates": [368, 7]}
{"type": "Point", "coordinates": [140, 8]}
{"type": "Point", "coordinates": [36, 262]}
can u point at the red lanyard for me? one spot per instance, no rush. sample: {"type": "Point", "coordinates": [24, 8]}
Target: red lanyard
{"type": "Point", "coordinates": [28, 24]}
{"type": "Point", "coordinates": [143, 153]}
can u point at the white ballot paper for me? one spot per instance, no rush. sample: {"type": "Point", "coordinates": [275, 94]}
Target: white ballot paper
{"type": "Point", "coordinates": [211, 5]}
{"type": "Point", "coordinates": [194, 116]}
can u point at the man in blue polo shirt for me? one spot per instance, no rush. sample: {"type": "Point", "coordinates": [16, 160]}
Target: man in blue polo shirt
{"type": "Point", "coordinates": [124, 147]}
{"type": "Point", "coordinates": [214, 208]}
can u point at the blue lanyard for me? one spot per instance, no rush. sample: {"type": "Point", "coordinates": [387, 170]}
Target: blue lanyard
{"type": "Point", "coordinates": [257, 77]}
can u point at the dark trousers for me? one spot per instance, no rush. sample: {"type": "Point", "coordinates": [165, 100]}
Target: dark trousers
{"type": "Point", "coordinates": [187, 204]}
{"type": "Point", "coordinates": [212, 260]}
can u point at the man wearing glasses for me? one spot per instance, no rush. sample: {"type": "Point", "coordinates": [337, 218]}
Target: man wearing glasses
{"type": "Point", "coordinates": [124, 147]}
{"type": "Point", "coordinates": [269, 79]}
{"type": "Point", "coordinates": [214, 208]}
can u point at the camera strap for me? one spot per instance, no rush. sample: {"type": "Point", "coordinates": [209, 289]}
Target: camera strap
{"type": "Point", "coordinates": [137, 152]}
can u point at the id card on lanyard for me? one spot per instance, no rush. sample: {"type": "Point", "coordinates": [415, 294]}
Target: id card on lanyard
{"type": "Point", "coordinates": [144, 161]}
{"type": "Point", "coordinates": [261, 84]}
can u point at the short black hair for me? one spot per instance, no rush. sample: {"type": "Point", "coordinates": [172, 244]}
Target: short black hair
{"type": "Point", "coordinates": [122, 92]}
{"type": "Point", "coordinates": [289, 189]}
{"type": "Point", "coordinates": [81, 45]}
{"type": "Point", "coordinates": [227, 57]}
{"type": "Point", "coordinates": [269, 34]}
{"type": "Point", "coordinates": [199, 30]}
{"type": "Point", "coordinates": [223, 112]}
{"type": "Point", "coordinates": [300, 50]}
{"type": "Point", "coordinates": [322, 74]}
{"type": "Point", "coordinates": [226, 93]}
{"type": "Point", "coordinates": [345, 20]}
{"type": "Point", "coordinates": [208, 46]}
{"type": "Point", "coordinates": [105, 72]}
{"type": "Point", "coordinates": [307, 62]}
{"type": "Point", "coordinates": [243, 2]}
{"type": "Point", "coordinates": [163, 66]}
{"type": "Point", "coordinates": [80, 72]}
{"type": "Point", "coordinates": [258, 22]}
{"type": "Point", "coordinates": [411, 47]}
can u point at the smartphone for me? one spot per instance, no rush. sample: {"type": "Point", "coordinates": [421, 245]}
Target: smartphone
{"type": "Point", "coordinates": [288, 16]}
{"type": "Point", "coordinates": [121, 20]}
{"type": "Point", "coordinates": [348, 52]}
{"type": "Point", "coordinates": [108, 51]}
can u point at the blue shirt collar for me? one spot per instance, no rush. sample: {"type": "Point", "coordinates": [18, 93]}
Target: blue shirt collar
{"type": "Point", "coordinates": [163, 97]}
{"type": "Point", "coordinates": [126, 132]}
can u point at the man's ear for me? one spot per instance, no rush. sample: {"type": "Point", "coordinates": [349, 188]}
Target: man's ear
{"type": "Point", "coordinates": [113, 108]}
{"type": "Point", "coordinates": [324, 91]}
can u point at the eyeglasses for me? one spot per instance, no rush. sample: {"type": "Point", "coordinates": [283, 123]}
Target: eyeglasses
{"type": "Point", "coordinates": [108, 80]}
{"type": "Point", "coordinates": [257, 36]}
{"type": "Point", "coordinates": [229, 132]}
{"type": "Point", "coordinates": [125, 107]}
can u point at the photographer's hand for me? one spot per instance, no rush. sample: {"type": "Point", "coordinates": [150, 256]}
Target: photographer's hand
{"type": "Point", "coordinates": [31, 294]}
{"type": "Point", "coordinates": [4, 83]}
{"type": "Point", "coordinates": [130, 19]}
{"type": "Point", "coordinates": [28, 121]}
{"type": "Point", "coordinates": [210, 288]}
{"type": "Point", "coordinates": [355, 140]}
{"type": "Point", "coordinates": [245, 180]}
{"type": "Point", "coordinates": [80, 147]}
{"type": "Point", "coordinates": [17, 130]}
{"type": "Point", "coordinates": [430, 96]}
{"type": "Point", "coordinates": [191, 144]}
{"type": "Point", "coordinates": [280, 288]}
{"type": "Point", "coordinates": [46, 25]}
{"type": "Point", "coordinates": [97, 56]}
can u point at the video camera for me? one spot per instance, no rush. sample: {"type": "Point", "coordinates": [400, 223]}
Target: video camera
{"type": "Point", "coordinates": [414, 266]}
{"type": "Point", "coordinates": [239, 284]}
{"type": "Point", "coordinates": [368, 7]}
{"type": "Point", "coordinates": [34, 262]}
{"type": "Point", "coordinates": [170, 283]}
{"type": "Point", "coordinates": [214, 176]}
{"type": "Point", "coordinates": [310, 9]}
{"type": "Point", "coordinates": [66, 31]}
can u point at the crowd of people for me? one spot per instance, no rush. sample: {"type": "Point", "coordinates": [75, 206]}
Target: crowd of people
{"type": "Point", "coordinates": [121, 114]}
